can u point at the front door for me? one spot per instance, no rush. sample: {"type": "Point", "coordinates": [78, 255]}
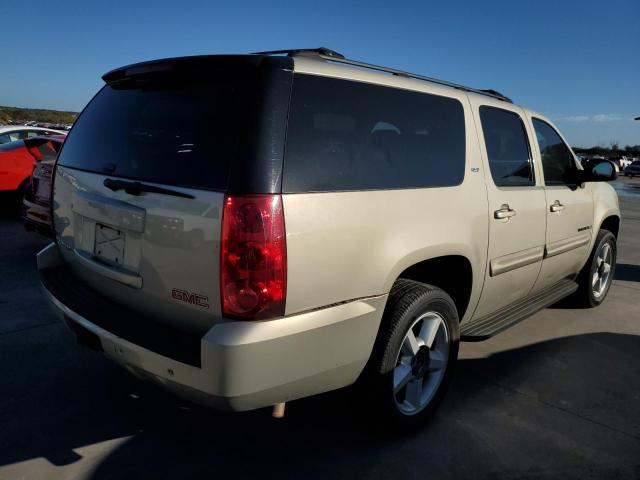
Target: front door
{"type": "Point", "coordinates": [516, 205]}
{"type": "Point", "coordinates": [569, 208]}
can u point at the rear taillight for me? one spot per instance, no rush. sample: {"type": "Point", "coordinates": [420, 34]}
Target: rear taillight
{"type": "Point", "coordinates": [253, 257]}
{"type": "Point", "coordinates": [51, 202]}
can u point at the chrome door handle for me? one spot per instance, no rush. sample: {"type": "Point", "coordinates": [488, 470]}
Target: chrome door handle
{"type": "Point", "coordinates": [504, 212]}
{"type": "Point", "coordinates": [557, 206]}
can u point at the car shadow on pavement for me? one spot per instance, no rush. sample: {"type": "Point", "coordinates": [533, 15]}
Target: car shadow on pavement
{"type": "Point", "coordinates": [533, 410]}
{"type": "Point", "coordinates": [10, 204]}
{"type": "Point", "coordinates": [627, 272]}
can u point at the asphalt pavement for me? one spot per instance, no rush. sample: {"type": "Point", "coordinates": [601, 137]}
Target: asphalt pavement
{"type": "Point", "coordinates": [557, 396]}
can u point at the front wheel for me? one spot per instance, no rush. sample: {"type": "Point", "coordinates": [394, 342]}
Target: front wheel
{"type": "Point", "coordinates": [414, 354]}
{"type": "Point", "coordinates": [595, 279]}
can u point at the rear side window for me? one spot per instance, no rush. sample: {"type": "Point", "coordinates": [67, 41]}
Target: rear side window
{"type": "Point", "coordinates": [507, 147]}
{"type": "Point", "coordinates": [17, 135]}
{"type": "Point", "coordinates": [8, 146]}
{"type": "Point", "coordinates": [182, 130]}
{"type": "Point", "coordinates": [346, 135]}
{"type": "Point", "coordinates": [48, 151]}
{"type": "Point", "coordinates": [557, 160]}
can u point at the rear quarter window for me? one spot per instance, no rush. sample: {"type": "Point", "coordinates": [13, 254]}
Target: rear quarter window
{"type": "Point", "coordinates": [346, 135]}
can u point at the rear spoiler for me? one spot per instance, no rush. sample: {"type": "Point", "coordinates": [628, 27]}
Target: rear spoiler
{"type": "Point", "coordinates": [138, 69]}
{"type": "Point", "coordinates": [169, 65]}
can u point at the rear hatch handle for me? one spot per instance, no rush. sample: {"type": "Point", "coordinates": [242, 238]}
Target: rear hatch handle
{"type": "Point", "coordinates": [114, 273]}
{"type": "Point", "coordinates": [136, 188]}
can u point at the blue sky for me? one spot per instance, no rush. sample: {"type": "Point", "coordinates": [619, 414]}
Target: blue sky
{"type": "Point", "coordinates": [576, 61]}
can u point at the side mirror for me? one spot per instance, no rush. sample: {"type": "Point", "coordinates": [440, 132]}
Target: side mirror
{"type": "Point", "coordinates": [600, 171]}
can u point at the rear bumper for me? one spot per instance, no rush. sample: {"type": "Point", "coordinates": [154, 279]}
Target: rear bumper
{"type": "Point", "coordinates": [37, 217]}
{"type": "Point", "coordinates": [247, 365]}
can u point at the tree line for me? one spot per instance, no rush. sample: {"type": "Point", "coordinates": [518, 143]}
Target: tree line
{"type": "Point", "coordinates": [22, 115]}
{"type": "Point", "coordinates": [614, 150]}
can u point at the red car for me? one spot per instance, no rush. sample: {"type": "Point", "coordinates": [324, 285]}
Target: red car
{"type": "Point", "coordinates": [38, 155]}
{"type": "Point", "coordinates": [36, 203]}
{"type": "Point", "coordinates": [16, 160]}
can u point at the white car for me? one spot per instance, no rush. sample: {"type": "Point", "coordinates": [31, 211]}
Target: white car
{"type": "Point", "coordinates": [11, 133]}
{"type": "Point", "coordinates": [625, 162]}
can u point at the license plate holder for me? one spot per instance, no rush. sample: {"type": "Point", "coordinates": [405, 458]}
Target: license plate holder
{"type": "Point", "coordinates": [109, 244]}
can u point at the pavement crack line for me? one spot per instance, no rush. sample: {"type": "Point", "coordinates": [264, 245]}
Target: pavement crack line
{"type": "Point", "coordinates": [564, 410]}
{"type": "Point", "coordinates": [31, 327]}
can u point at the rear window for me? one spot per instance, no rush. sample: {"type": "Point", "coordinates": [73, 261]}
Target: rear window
{"type": "Point", "coordinates": [44, 151]}
{"type": "Point", "coordinates": [177, 129]}
{"type": "Point", "coordinates": [346, 135]}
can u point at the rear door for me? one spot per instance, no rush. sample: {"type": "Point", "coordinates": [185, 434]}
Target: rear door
{"type": "Point", "coordinates": [516, 205]}
{"type": "Point", "coordinates": [569, 207]}
{"type": "Point", "coordinates": [140, 183]}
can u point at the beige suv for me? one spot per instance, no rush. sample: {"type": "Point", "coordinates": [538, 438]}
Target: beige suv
{"type": "Point", "coordinates": [247, 230]}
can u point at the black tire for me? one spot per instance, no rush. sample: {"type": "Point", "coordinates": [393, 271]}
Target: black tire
{"type": "Point", "coordinates": [585, 296]}
{"type": "Point", "coordinates": [408, 301]}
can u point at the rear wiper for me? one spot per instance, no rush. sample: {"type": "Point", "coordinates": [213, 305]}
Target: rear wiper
{"type": "Point", "coordinates": [136, 188]}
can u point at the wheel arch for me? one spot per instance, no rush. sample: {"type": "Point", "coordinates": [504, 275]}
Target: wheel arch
{"type": "Point", "coordinates": [611, 223]}
{"type": "Point", "coordinates": [451, 273]}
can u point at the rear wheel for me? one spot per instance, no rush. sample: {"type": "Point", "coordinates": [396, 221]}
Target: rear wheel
{"type": "Point", "coordinates": [595, 279]}
{"type": "Point", "coordinates": [414, 354]}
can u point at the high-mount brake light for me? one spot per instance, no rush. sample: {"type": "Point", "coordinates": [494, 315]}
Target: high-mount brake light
{"type": "Point", "coordinates": [253, 257]}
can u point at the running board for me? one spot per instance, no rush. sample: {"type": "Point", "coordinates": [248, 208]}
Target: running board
{"type": "Point", "coordinates": [508, 316]}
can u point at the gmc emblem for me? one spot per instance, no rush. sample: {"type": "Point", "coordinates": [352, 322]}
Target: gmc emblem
{"type": "Point", "coordinates": [191, 298]}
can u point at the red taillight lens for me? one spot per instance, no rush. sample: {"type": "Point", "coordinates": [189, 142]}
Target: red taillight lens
{"type": "Point", "coordinates": [253, 257]}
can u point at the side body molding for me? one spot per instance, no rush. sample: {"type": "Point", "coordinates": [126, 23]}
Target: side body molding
{"type": "Point", "coordinates": [566, 244]}
{"type": "Point", "coordinates": [510, 262]}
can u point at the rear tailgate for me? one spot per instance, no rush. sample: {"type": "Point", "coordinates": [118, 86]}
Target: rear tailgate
{"type": "Point", "coordinates": [153, 253]}
{"type": "Point", "coordinates": [177, 129]}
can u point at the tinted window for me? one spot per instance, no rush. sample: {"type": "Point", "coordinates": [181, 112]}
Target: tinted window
{"type": "Point", "coordinates": [507, 147]}
{"type": "Point", "coordinates": [346, 135]}
{"type": "Point", "coordinates": [48, 151]}
{"type": "Point", "coordinates": [179, 129]}
{"type": "Point", "coordinates": [5, 147]}
{"type": "Point", "coordinates": [557, 160]}
{"type": "Point", "coordinates": [17, 135]}
{"type": "Point", "coordinates": [4, 138]}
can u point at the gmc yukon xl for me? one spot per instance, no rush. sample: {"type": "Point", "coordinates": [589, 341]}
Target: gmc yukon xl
{"type": "Point", "coordinates": [247, 230]}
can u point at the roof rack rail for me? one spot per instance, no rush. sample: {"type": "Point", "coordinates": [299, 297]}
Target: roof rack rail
{"type": "Point", "coordinates": [334, 56]}
{"type": "Point", "coordinates": [322, 51]}
{"type": "Point", "coordinates": [495, 93]}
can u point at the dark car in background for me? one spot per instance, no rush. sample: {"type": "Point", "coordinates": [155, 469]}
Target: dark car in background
{"type": "Point", "coordinates": [632, 170]}
{"type": "Point", "coordinates": [36, 203]}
